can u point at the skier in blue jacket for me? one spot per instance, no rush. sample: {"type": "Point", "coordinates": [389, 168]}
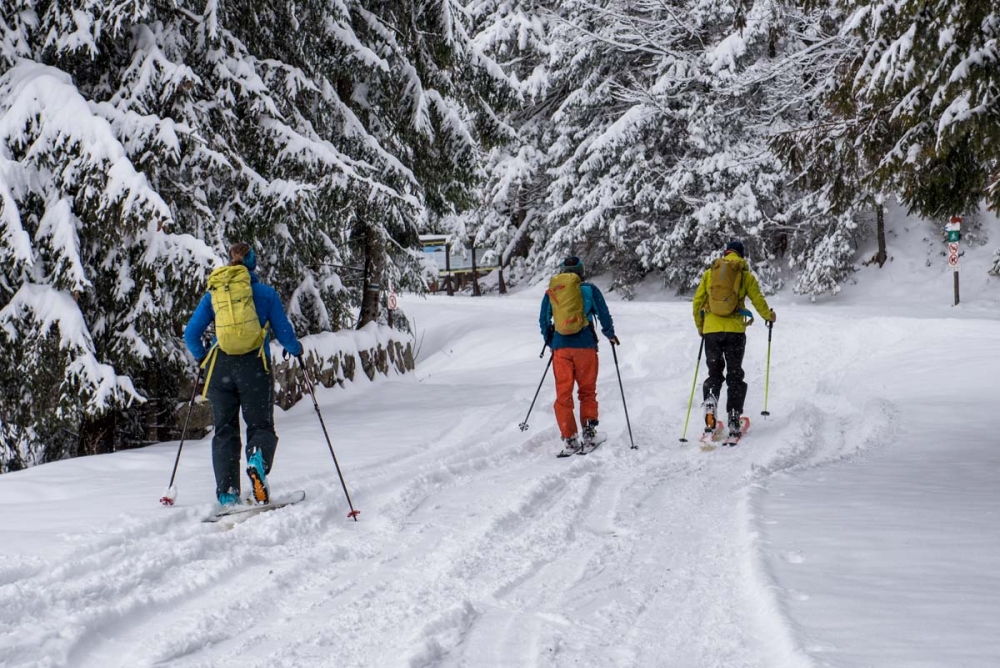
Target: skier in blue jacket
{"type": "Point", "coordinates": [574, 359]}
{"type": "Point", "coordinates": [243, 382]}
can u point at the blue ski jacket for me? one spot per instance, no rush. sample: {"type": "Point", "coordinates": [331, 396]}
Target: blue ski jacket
{"type": "Point", "coordinates": [269, 310]}
{"type": "Point", "coordinates": [593, 305]}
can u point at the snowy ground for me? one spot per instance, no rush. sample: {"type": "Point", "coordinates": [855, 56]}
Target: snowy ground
{"type": "Point", "coordinates": [856, 527]}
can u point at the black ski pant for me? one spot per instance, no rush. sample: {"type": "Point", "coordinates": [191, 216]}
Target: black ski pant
{"type": "Point", "coordinates": [240, 382]}
{"type": "Point", "coordinates": [724, 355]}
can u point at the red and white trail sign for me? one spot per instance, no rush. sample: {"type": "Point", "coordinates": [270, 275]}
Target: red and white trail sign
{"type": "Point", "coordinates": [392, 301]}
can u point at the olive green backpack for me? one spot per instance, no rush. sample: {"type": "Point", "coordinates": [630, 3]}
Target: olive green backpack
{"type": "Point", "coordinates": [566, 300]}
{"type": "Point", "coordinates": [725, 283]}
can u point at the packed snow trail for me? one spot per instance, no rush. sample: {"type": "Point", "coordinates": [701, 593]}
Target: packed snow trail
{"type": "Point", "coordinates": [476, 546]}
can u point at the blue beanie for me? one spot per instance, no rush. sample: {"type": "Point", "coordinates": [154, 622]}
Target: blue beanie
{"type": "Point", "coordinates": [572, 265]}
{"type": "Point", "coordinates": [737, 247]}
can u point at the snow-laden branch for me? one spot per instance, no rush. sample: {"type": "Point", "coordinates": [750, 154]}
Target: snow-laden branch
{"type": "Point", "coordinates": [47, 308]}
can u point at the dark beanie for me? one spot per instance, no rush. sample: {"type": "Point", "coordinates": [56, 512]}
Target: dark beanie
{"type": "Point", "coordinates": [737, 247]}
{"type": "Point", "coordinates": [572, 265]}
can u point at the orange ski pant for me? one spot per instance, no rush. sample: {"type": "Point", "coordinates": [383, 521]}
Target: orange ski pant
{"type": "Point", "coordinates": [575, 365]}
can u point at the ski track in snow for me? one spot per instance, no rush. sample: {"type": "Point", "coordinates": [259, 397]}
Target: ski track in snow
{"type": "Point", "coordinates": [478, 547]}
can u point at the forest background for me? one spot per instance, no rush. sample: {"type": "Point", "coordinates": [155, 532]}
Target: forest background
{"type": "Point", "coordinates": [138, 138]}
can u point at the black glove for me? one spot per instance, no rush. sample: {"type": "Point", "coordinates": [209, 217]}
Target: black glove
{"type": "Point", "coordinates": [614, 340]}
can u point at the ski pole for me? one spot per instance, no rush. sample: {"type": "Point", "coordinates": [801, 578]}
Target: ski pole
{"type": "Point", "coordinates": [622, 388]}
{"type": "Point", "coordinates": [312, 391]}
{"type": "Point", "coordinates": [694, 384]}
{"type": "Point", "coordinates": [767, 374]}
{"type": "Point", "coordinates": [171, 494]}
{"type": "Point", "coordinates": [524, 425]}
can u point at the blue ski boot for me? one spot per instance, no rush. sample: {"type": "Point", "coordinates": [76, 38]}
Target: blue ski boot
{"type": "Point", "coordinates": [229, 499]}
{"type": "Point", "coordinates": [258, 480]}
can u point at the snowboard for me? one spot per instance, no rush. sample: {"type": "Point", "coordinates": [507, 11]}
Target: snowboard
{"type": "Point", "coordinates": [744, 428]}
{"type": "Point", "coordinates": [599, 438]}
{"type": "Point", "coordinates": [246, 511]}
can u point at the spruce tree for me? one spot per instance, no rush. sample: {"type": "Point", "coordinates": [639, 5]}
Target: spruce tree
{"type": "Point", "coordinates": [928, 77]}
{"type": "Point", "coordinates": [139, 139]}
{"type": "Point", "coordinates": [657, 146]}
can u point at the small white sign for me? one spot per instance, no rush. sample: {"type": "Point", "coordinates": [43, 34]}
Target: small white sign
{"type": "Point", "coordinates": [953, 248]}
{"type": "Point", "coordinates": [392, 301]}
{"type": "Point", "coordinates": [953, 261]}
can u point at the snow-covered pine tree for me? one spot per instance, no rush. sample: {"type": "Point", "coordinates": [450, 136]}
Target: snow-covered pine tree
{"type": "Point", "coordinates": [819, 141]}
{"type": "Point", "coordinates": [898, 95]}
{"type": "Point", "coordinates": [929, 76]}
{"type": "Point", "coordinates": [88, 268]}
{"type": "Point", "coordinates": [452, 96]}
{"type": "Point", "coordinates": [659, 148]}
{"type": "Point", "coordinates": [307, 128]}
{"type": "Point", "coordinates": [518, 34]}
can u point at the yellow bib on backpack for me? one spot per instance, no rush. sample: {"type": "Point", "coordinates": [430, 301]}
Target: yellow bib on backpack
{"type": "Point", "coordinates": [566, 299]}
{"type": "Point", "coordinates": [237, 327]}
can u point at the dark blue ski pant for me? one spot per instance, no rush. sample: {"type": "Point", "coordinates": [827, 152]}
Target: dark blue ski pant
{"type": "Point", "coordinates": [724, 356]}
{"type": "Point", "coordinates": [240, 382]}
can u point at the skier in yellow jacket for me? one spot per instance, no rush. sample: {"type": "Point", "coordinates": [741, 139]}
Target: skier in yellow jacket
{"type": "Point", "coordinates": [720, 316]}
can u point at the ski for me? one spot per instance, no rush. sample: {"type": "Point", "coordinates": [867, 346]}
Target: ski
{"type": "Point", "coordinates": [744, 428]}
{"type": "Point", "coordinates": [242, 512]}
{"type": "Point", "coordinates": [714, 436]}
{"type": "Point", "coordinates": [727, 441]}
{"type": "Point", "coordinates": [587, 448]}
{"type": "Point", "coordinates": [568, 452]}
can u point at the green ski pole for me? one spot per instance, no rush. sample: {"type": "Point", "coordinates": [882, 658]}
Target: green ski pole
{"type": "Point", "coordinates": [694, 384]}
{"type": "Point", "coordinates": [767, 374]}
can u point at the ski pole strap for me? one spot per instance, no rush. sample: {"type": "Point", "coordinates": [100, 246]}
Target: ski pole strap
{"type": "Point", "coordinates": [263, 348]}
{"type": "Point", "coordinates": [209, 360]}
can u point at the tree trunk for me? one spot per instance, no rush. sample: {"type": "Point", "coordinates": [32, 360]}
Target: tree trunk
{"type": "Point", "coordinates": [475, 276]}
{"type": "Point", "coordinates": [374, 271]}
{"type": "Point", "coordinates": [449, 284]}
{"type": "Point", "coordinates": [881, 255]}
{"type": "Point", "coordinates": [503, 284]}
{"type": "Point", "coordinates": [97, 434]}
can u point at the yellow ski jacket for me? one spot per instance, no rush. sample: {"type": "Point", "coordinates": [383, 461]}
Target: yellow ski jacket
{"type": "Point", "coordinates": [709, 323]}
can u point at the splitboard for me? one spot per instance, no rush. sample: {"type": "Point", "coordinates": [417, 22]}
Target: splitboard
{"type": "Point", "coordinates": [238, 513]}
{"type": "Point", "coordinates": [744, 428]}
{"type": "Point", "coordinates": [599, 438]}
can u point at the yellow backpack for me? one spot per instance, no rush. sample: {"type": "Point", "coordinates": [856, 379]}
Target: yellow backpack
{"type": "Point", "coordinates": [237, 327]}
{"type": "Point", "coordinates": [566, 299]}
{"type": "Point", "coordinates": [725, 283]}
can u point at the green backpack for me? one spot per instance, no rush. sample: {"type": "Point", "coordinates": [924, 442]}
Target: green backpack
{"type": "Point", "coordinates": [237, 327]}
{"type": "Point", "coordinates": [566, 299]}
{"type": "Point", "coordinates": [725, 282]}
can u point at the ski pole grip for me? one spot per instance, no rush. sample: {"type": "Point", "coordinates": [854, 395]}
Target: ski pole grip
{"type": "Point", "coordinates": [548, 342]}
